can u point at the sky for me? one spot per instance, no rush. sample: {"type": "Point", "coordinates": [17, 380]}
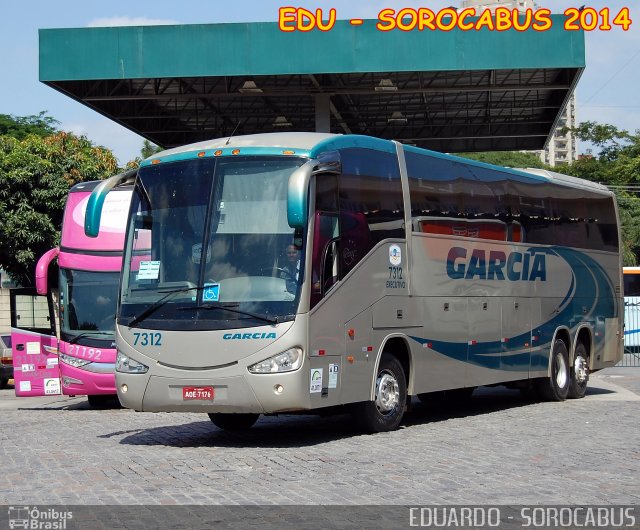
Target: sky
{"type": "Point", "coordinates": [608, 91]}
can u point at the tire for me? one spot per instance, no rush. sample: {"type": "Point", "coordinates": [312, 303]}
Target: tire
{"type": "Point", "coordinates": [579, 373]}
{"type": "Point", "coordinates": [385, 412]}
{"type": "Point", "coordinates": [233, 422]}
{"type": "Point", "coordinates": [556, 387]}
{"type": "Point", "coordinates": [4, 381]}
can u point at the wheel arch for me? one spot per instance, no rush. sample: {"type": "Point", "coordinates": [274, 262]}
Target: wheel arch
{"type": "Point", "coordinates": [563, 334]}
{"type": "Point", "coordinates": [583, 335]}
{"type": "Point", "coordinates": [397, 345]}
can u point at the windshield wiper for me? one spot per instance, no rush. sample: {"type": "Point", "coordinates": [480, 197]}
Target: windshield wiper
{"type": "Point", "coordinates": [159, 303]}
{"type": "Point", "coordinates": [232, 309]}
{"type": "Point", "coordinates": [75, 339]}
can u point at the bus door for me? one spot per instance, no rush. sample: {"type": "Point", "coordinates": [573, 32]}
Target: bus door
{"type": "Point", "coordinates": [34, 344]}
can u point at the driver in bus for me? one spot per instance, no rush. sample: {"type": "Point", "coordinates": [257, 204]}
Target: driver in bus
{"type": "Point", "coordinates": [291, 268]}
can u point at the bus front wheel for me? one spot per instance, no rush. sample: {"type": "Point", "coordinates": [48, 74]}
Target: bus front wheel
{"type": "Point", "coordinates": [385, 412]}
{"type": "Point", "coordinates": [556, 387]}
{"type": "Point", "coordinates": [579, 373]}
{"type": "Point", "coordinates": [233, 422]}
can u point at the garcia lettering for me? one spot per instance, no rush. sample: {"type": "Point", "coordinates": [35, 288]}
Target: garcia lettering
{"type": "Point", "coordinates": [496, 265]}
{"type": "Point", "coordinates": [243, 336]}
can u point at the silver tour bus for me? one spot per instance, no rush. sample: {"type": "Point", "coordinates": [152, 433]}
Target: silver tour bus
{"type": "Point", "coordinates": [290, 272]}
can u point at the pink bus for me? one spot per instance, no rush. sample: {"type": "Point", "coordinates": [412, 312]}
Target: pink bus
{"type": "Point", "coordinates": [71, 351]}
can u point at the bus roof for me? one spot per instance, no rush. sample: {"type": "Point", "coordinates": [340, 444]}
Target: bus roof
{"type": "Point", "coordinates": [310, 144]}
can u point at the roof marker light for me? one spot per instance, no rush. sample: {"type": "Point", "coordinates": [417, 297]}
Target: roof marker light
{"type": "Point", "coordinates": [288, 152]}
{"type": "Point", "coordinates": [155, 161]}
{"type": "Point", "coordinates": [218, 152]}
{"type": "Point", "coordinates": [202, 153]}
{"type": "Point", "coordinates": [235, 152]}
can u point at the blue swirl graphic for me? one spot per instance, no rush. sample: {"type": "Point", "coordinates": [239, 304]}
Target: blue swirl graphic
{"type": "Point", "coordinates": [590, 297]}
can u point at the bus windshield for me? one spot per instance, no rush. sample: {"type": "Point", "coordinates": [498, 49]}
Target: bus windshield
{"type": "Point", "coordinates": [209, 246]}
{"type": "Point", "coordinates": [88, 304]}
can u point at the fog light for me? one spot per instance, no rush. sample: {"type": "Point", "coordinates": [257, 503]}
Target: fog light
{"type": "Point", "coordinates": [68, 381]}
{"type": "Point", "coordinates": [124, 388]}
{"type": "Point", "coordinates": [279, 389]}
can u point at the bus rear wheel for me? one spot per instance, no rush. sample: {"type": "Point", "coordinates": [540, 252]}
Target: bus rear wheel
{"type": "Point", "coordinates": [233, 422]}
{"type": "Point", "coordinates": [385, 412]}
{"type": "Point", "coordinates": [579, 373]}
{"type": "Point", "coordinates": [556, 387]}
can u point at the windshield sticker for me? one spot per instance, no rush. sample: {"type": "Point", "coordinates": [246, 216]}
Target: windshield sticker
{"type": "Point", "coordinates": [211, 292]}
{"type": "Point", "coordinates": [25, 386]}
{"type": "Point", "coordinates": [333, 376]}
{"type": "Point", "coordinates": [395, 255]}
{"type": "Point", "coordinates": [149, 270]}
{"type": "Point", "coordinates": [316, 381]}
{"type": "Point", "coordinates": [196, 253]}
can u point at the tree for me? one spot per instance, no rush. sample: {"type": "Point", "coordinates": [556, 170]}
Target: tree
{"type": "Point", "coordinates": [618, 159]}
{"type": "Point", "coordinates": [22, 126]}
{"type": "Point", "coordinates": [149, 149]}
{"type": "Point", "coordinates": [516, 159]}
{"type": "Point", "coordinates": [35, 176]}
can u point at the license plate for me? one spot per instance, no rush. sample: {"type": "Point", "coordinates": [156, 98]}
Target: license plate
{"type": "Point", "coordinates": [198, 392]}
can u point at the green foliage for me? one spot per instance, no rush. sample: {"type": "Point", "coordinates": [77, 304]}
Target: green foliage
{"type": "Point", "coordinates": [35, 176]}
{"type": "Point", "coordinates": [149, 149]}
{"type": "Point", "coordinates": [20, 127]}
{"type": "Point", "coordinates": [507, 159]}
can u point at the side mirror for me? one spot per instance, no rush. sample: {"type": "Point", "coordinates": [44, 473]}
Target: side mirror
{"type": "Point", "coordinates": [42, 270]}
{"type": "Point", "coordinates": [96, 201]}
{"type": "Point", "coordinates": [298, 195]}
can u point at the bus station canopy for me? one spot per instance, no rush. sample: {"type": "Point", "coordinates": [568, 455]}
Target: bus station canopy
{"type": "Point", "coordinates": [452, 91]}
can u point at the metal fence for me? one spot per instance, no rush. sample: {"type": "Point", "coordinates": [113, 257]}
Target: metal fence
{"type": "Point", "coordinates": [631, 332]}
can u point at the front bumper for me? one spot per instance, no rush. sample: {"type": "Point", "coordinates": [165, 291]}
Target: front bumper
{"type": "Point", "coordinates": [233, 393]}
{"type": "Point", "coordinates": [82, 382]}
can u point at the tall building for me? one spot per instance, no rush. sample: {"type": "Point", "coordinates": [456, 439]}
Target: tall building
{"type": "Point", "coordinates": [561, 148]}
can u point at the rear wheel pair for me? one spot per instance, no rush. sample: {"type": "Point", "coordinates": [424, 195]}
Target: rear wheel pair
{"type": "Point", "coordinates": [565, 381]}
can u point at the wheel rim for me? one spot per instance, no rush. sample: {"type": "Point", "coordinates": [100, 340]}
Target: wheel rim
{"type": "Point", "coordinates": [561, 371]}
{"type": "Point", "coordinates": [387, 392]}
{"type": "Point", "coordinates": [580, 369]}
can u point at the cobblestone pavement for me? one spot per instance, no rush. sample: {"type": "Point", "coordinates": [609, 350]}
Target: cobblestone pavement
{"type": "Point", "coordinates": [499, 449]}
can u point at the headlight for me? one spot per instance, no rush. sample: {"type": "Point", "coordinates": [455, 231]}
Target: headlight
{"type": "Point", "coordinates": [72, 361]}
{"type": "Point", "coordinates": [286, 361]}
{"type": "Point", "coordinates": [126, 365]}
